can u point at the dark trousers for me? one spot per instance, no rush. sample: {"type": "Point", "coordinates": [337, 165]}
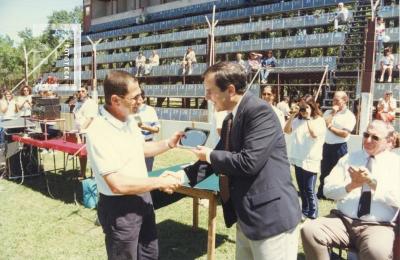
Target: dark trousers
{"type": "Point", "coordinates": [306, 181]}
{"type": "Point", "coordinates": [149, 163]}
{"type": "Point", "coordinates": [129, 226]}
{"type": "Point", "coordinates": [331, 153]}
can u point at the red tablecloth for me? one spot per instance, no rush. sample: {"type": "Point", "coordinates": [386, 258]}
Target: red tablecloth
{"type": "Point", "coordinates": [54, 144]}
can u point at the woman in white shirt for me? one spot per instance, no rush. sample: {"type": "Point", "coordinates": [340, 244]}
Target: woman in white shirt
{"type": "Point", "coordinates": [8, 106]}
{"type": "Point", "coordinates": [307, 129]}
{"type": "Point", "coordinates": [387, 64]}
{"type": "Point", "coordinates": [24, 103]}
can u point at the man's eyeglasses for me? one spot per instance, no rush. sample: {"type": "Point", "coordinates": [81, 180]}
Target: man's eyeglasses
{"type": "Point", "coordinates": [136, 98]}
{"type": "Point", "coordinates": [373, 137]}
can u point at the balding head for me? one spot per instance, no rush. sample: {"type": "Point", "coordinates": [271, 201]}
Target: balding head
{"type": "Point", "coordinates": [340, 100]}
{"type": "Point", "coordinates": [378, 137]}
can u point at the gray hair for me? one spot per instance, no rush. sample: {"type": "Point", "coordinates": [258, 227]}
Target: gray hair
{"type": "Point", "coordinates": [386, 128]}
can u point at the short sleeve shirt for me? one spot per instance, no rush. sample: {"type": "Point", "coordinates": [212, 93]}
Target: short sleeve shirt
{"type": "Point", "coordinates": [83, 111]}
{"type": "Point", "coordinates": [344, 120]}
{"type": "Point", "coordinates": [149, 117]}
{"type": "Point", "coordinates": [113, 147]}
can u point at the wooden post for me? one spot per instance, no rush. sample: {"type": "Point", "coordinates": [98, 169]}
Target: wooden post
{"type": "Point", "coordinates": [367, 77]}
{"type": "Point", "coordinates": [212, 225]}
{"type": "Point", "coordinates": [195, 212]}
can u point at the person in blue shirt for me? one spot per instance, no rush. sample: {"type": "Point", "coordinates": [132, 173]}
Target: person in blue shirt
{"type": "Point", "coordinates": [266, 64]}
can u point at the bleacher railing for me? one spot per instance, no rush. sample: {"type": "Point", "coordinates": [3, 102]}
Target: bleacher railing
{"type": "Point", "coordinates": [289, 42]}
{"type": "Point", "coordinates": [199, 19]}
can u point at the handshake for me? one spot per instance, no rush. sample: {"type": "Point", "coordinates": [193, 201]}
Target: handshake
{"type": "Point", "coordinates": [170, 181]}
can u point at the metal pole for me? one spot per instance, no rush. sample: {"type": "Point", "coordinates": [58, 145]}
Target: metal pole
{"type": "Point", "coordinates": [26, 64]}
{"type": "Point", "coordinates": [40, 64]}
{"type": "Point", "coordinates": [321, 82]}
{"type": "Point", "coordinates": [93, 88]}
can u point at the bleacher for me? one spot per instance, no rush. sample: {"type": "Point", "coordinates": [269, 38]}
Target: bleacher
{"type": "Point", "coordinates": [299, 32]}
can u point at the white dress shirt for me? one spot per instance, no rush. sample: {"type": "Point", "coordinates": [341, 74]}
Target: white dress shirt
{"type": "Point", "coordinates": [344, 120]}
{"type": "Point", "coordinates": [385, 199]}
{"type": "Point", "coordinates": [114, 146]}
{"type": "Point", "coordinates": [280, 115]}
{"type": "Point", "coordinates": [234, 112]}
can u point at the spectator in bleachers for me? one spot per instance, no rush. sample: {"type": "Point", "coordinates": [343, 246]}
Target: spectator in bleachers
{"type": "Point", "coordinates": [254, 62]}
{"type": "Point", "coordinates": [240, 61]}
{"type": "Point", "coordinates": [387, 63]}
{"type": "Point", "coordinates": [8, 106]}
{"type": "Point", "coordinates": [380, 33]}
{"type": "Point", "coordinates": [340, 122]}
{"type": "Point", "coordinates": [342, 16]}
{"type": "Point", "coordinates": [284, 107]}
{"type": "Point", "coordinates": [269, 96]}
{"type": "Point", "coordinates": [140, 63]}
{"type": "Point", "coordinates": [267, 64]}
{"type": "Point", "coordinates": [24, 103]}
{"type": "Point", "coordinates": [154, 60]}
{"type": "Point", "coordinates": [386, 108]}
{"type": "Point", "coordinates": [147, 120]}
{"type": "Point", "coordinates": [367, 198]}
{"type": "Point", "coordinates": [188, 59]}
{"type": "Point", "coordinates": [307, 134]}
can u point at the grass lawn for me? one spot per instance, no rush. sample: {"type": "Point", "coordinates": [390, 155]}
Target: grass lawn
{"type": "Point", "coordinates": [34, 225]}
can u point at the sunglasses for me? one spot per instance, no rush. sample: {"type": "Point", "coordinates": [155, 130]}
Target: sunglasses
{"type": "Point", "coordinates": [373, 137]}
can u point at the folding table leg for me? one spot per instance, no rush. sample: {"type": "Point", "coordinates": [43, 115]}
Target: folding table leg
{"type": "Point", "coordinates": [212, 225]}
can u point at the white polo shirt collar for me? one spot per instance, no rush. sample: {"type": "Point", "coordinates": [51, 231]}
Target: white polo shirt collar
{"type": "Point", "coordinates": [111, 119]}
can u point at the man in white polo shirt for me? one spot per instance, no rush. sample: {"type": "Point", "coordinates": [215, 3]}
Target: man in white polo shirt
{"type": "Point", "coordinates": [340, 122]}
{"type": "Point", "coordinates": [115, 148]}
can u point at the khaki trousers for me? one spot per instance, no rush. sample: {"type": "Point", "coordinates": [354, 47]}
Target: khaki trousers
{"type": "Point", "coordinates": [280, 247]}
{"type": "Point", "coordinates": [372, 240]}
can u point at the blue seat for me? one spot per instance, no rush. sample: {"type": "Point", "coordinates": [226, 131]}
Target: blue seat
{"type": "Point", "coordinates": [181, 90]}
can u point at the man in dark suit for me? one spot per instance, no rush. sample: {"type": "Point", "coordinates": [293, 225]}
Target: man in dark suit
{"type": "Point", "coordinates": [255, 183]}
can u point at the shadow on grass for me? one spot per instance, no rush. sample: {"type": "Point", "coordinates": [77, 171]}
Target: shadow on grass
{"type": "Point", "coordinates": [179, 241]}
{"type": "Point", "coordinates": [62, 186]}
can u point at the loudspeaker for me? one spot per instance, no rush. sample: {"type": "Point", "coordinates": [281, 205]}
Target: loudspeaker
{"type": "Point", "coordinates": [22, 161]}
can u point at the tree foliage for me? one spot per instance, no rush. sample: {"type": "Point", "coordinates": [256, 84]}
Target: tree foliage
{"type": "Point", "coordinates": [12, 62]}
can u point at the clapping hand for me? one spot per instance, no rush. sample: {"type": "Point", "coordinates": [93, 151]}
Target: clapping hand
{"type": "Point", "coordinates": [359, 176]}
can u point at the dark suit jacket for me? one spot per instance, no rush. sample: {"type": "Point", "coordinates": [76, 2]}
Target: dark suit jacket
{"type": "Point", "coordinates": [263, 198]}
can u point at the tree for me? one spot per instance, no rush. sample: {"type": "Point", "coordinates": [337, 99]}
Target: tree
{"type": "Point", "coordinates": [12, 55]}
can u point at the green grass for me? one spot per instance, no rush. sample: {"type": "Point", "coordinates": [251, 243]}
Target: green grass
{"type": "Point", "coordinates": [34, 225]}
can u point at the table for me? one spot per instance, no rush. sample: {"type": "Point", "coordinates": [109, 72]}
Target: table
{"type": "Point", "coordinates": [54, 144]}
{"type": "Point", "coordinates": [206, 189]}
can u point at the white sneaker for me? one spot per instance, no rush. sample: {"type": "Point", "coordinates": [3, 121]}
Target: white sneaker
{"type": "Point", "coordinates": [390, 79]}
{"type": "Point", "coordinates": [183, 71]}
{"type": "Point", "coordinates": [190, 72]}
{"type": "Point", "coordinates": [263, 81]}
